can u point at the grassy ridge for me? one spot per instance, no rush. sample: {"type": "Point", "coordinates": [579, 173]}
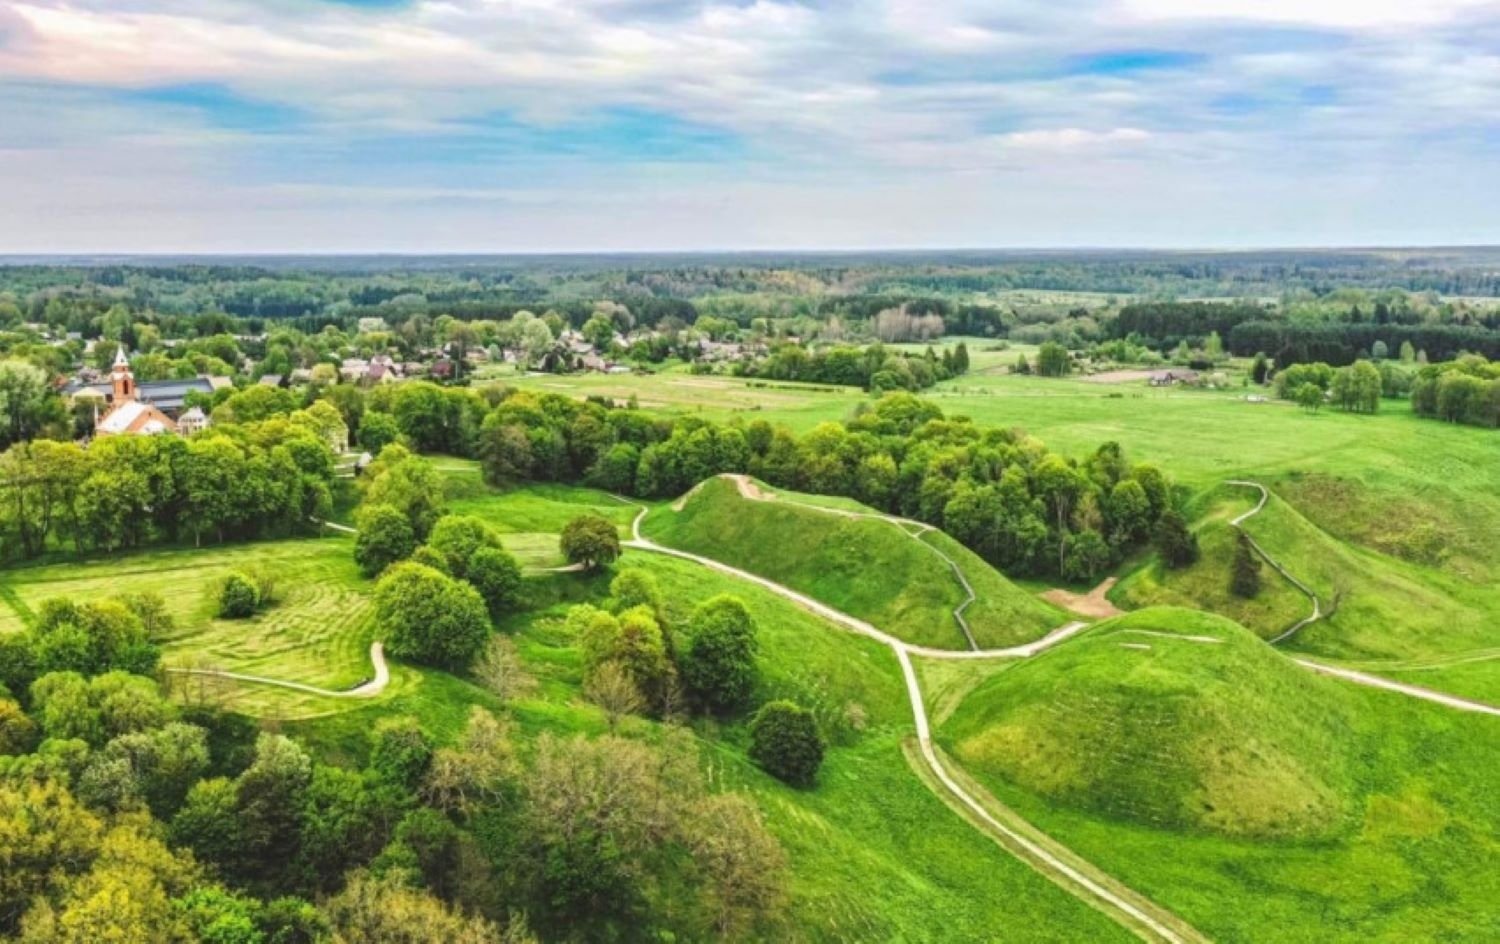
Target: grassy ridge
{"type": "Point", "coordinates": [1412, 858]}
{"type": "Point", "coordinates": [870, 569]}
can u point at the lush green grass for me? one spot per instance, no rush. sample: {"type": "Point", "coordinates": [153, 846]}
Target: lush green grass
{"type": "Point", "coordinates": [1205, 584]}
{"type": "Point", "coordinates": [531, 518]}
{"type": "Point", "coordinates": [1412, 859]}
{"type": "Point", "coordinates": [871, 569]}
{"type": "Point", "coordinates": [319, 633]}
{"type": "Point", "coordinates": [873, 854]}
{"type": "Point", "coordinates": [1171, 718]}
{"type": "Point", "coordinates": [679, 392]}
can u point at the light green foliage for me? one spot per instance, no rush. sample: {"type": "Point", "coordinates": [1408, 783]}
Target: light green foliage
{"type": "Point", "coordinates": [590, 540]}
{"type": "Point", "coordinates": [385, 537]}
{"type": "Point", "coordinates": [718, 664]}
{"type": "Point", "coordinates": [429, 617]}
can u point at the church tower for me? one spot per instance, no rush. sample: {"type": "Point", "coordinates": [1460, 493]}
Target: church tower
{"type": "Point", "coordinates": [124, 380]}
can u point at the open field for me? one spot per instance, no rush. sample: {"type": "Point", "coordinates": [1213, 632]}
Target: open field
{"type": "Point", "coordinates": [676, 391]}
{"type": "Point", "coordinates": [1398, 788]}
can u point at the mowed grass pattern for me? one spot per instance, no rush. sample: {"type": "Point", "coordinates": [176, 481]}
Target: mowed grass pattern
{"type": "Point", "coordinates": [318, 634]}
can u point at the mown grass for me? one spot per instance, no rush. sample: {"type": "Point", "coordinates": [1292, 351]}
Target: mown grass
{"type": "Point", "coordinates": [318, 633]}
{"type": "Point", "coordinates": [1412, 859]}
{"type": "Point", "coordinates": [871, 569]}
{"type": "Point", "coordinates": [530, 519]}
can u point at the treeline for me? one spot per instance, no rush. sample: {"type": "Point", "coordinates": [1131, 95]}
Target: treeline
{"type": "Point", "coordinates": [874, 368]}
{"type": "Point", "coordinates": [1023, 508]}
{"type": "Point", "coordinates": [1343, 343]}
{"type": "Point", "coordinates": [1338, 336]}
{"type": "Point", "coordinates": [233, 481]}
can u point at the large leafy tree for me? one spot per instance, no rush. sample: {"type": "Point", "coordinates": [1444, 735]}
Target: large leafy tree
{"type": "Point", "coordinates": [718, 665]}
{"type": "Point", "coordinates": [429, 617]}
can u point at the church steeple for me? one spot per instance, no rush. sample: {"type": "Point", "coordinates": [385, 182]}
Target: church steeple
{"type": "Point", "coordinates": [124, 380]}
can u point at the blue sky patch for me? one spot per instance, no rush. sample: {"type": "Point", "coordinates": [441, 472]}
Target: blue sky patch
{"type": "Point", "coordinates": [220, 106]}
{"type": "Point", "coordinates": [1128, 61]}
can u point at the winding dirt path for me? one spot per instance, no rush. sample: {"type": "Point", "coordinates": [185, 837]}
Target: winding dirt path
{"type": "Point", "coordinates": [1129, 908]}
{"type": "Point", "coordinates": [369, 689]}
{"type": "Point", "coordinates": [1333, 671]}
{"type": "Point", "coordinates": [1094, 604]}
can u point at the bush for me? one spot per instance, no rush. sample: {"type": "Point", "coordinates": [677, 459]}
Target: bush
{"type": "Point", "coordinates": [1244, 581]}
{"type": "Point", "coordinates": [458, 538]}
{"type": "Point", "coordinates": [719, 664]}
{"type": "Point", "coordinates": [238, 596]}
{"type": "Point", "coordinates": [385, 536]}
{"type": "Point", "coordinates": [429, 617]}
{"type": "Point", "coordinates": [591, 541]}
{"type": "Point", "coordinates": [784, 741]}
{"type": "Point", "coordinates": [497, 576]}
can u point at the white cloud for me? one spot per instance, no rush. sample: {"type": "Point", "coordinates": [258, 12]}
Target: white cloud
{"type": "Point", "coordinates": [899, 100]}
{"type": "Point", "coordinates": [1359, 14]}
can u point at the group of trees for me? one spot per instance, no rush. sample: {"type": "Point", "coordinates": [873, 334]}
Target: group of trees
{"type": "Point", "coordinates": [436, 607]}
{"type": "Point", "coordinates": [1463, 391]}
{"type": "Point", "coordinates": [636, 660]}
{"type": "Point", "coordinates": [1000, 492]}
{"type": "Point", "coordinates": [131, 818]}
{"type": "Point", "coordinates": [232, 481]}
{"type": "Point", "coordinates": [874, 368]}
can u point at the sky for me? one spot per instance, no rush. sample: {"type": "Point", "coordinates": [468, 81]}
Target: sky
{"type": "Point", "coordinates": [428, 126]}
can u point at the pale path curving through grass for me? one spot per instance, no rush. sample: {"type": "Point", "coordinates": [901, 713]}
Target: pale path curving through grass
{"type": "Point", "coordinates": [1348, 675]}
{"type": "Point", "coordinates": [907, 526]}
{"type": "Point", "coordinates": [369, 689]}
{"type": "Point", "coordinates": [1132, 910]}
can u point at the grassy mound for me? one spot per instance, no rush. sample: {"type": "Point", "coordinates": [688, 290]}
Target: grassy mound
{"type": "Point", "coordinates": [1172, 718]}
{"type": "Point", "coordinates": [871, 569]}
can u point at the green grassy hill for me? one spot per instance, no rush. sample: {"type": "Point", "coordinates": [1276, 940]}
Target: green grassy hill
{"type": "Point", "coordinates": [1171, 718]}
{"type": "Point", "coordinates": [871, 569]}
{"type": "Point", "coordinates": [1386, 607]}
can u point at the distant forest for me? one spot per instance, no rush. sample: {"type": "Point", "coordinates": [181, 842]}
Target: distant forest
{"type": "Point", "coordinates": [1326, 305]}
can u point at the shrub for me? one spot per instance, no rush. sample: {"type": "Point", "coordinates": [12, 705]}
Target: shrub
{"type": "Point", "coordinates": [1244, 580]}
{"type": "Point", "coordinates": [238, 596]}
{"type": "Point", "coordinates": [591, 541]}
{"type": "Point", "coordinates": [458, 538]}
{"type": "Point", "coordinates": [429, 617]}
{"type": "Point", "coordinates": [784, 741]}
{"type": "Point", "coordinates": [497, 576]}
{"type": "Point", "coordinates": [719, 664]}
{"type": "Point", "coordinates": [385, 536]}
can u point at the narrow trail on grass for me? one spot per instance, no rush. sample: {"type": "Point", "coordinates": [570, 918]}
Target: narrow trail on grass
{"type": "Point", "coordinates": [1351, 675]}
{"type": "Point", "coordinates": [368, 689]}
{"type": "Point", "coordinates": [1130, 909]}
{"type": "Point", "coordinates": [1237, 524]}
{"type": "Point", "coordinates": [907, 526]}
